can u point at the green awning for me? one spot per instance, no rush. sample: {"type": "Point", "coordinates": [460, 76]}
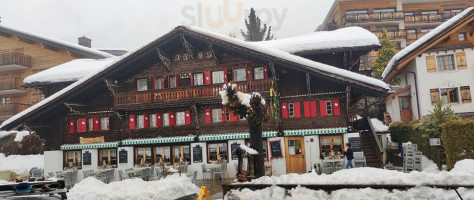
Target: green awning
{"type": "Point", "coordinates": [320, 131]}
{"type": "Point", "coordinates": [89, 146]}
{"type": "Point", "coordinates": [158, 140]}
{"type": "Point", "coordinates": [234, 136]}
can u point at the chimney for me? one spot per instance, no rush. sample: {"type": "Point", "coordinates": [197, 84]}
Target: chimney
{"type": "Point", "coordinates": [83, 41]}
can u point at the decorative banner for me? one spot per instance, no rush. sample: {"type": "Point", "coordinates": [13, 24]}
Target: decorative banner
{"type": "Point", "coordinates": [83, 140]}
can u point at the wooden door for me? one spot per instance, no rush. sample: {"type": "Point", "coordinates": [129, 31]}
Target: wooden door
{"type": "Point", "coordinates": [294, 150]}
{"type": "Point", "coordinates": [405, 108]}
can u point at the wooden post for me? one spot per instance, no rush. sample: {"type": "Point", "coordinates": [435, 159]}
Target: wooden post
{"type": "Point", "coordinates": [256, 142]}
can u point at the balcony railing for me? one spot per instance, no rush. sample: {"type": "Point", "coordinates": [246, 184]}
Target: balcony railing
{"type": "Point", "coordinates": [11, 84]}
{"type": "Point", "coordinates": [194, 92]}
{"type": "Point", "coordinates": [372, 17]}
{"type": "Point", "coordinates": [14, 58]}
{"type": "Point", "coordinates": [12, 108]}
{"type": "Point", "coordinates": [414, 36]}
{"type": "Point", "coordinates": [429, 18]}
{"type": "Point", "coordinates": [392, 34]}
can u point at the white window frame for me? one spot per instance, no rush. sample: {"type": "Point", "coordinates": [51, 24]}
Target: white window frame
{"type": "Point", "coordinates": [463, 38]}
{"type": "Point", "coordinates": [104, 123]}
{"type": "Point", "coordinates": [217, 77]}
{"type": "Point", "coordinates": [198, 79]}
{"type": "Point", "coordinates": [240, 74]}
{"type": "Point", "coordinates": [142, 84]}
{"type": "Point", "coordinates": [152, 120]}
{"type": "Point", "coordinates": [180, 118]}
{"type": "Point", "coordinates": [166, 119]}
{"type": "Point", "coordinates": [258, 73]}
{"type": "Point", "coordinates": [216, 115]}
{"type": "Point", "coordinates": [291, 110]}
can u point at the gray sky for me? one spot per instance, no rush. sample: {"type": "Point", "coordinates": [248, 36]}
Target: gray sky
{"type": "Point", "coordinates": [132, 23]}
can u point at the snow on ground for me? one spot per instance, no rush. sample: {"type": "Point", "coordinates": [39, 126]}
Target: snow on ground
{"type": "Point", "coordinates": [429, 166]}
{"type": "Point", "coordinates": [20, 163]}
{"type": "Point", "coordinates": [378, 125]}
{"type": "Point", "coordinates": [19, 134]}
{"type": "Point", "coordinates": [171, 187]}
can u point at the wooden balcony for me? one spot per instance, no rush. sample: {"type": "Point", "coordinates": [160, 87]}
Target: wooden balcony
{"type": "Point", "coordinates": [372, 17]}
{"type": "Point", "coordinates": [188, 93]}
{"type": "Point", "coordinates": [429, 18]}
{"type": "Point", "coordinates": [12, 108]}
{"type": "Point", "coordinates": [414, 36]}
{"type": "Point", "coordinates": [392, 34]}
{"type": "Point", "coordinates": [14, 61]}
{"type": "Point", "coordinates": [11, 86]}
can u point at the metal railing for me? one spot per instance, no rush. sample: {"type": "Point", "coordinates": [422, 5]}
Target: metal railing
{"type": "Point", "coordinates": [391, 16]}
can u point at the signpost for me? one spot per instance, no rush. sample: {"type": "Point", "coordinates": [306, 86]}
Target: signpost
{"type": "Point", "coordinates": [233, 147]}
{"type": "Point", "coordinates": [355, 144]}
{"type": "Point", "coordinates": [275, 148]}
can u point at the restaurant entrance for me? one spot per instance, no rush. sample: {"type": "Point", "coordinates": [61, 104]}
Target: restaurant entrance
{"type": "Point", "coordinates": [295, 158]}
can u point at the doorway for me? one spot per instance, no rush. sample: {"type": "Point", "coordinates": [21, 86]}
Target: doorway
{"type": "Point", "coordinates": [295, 155]}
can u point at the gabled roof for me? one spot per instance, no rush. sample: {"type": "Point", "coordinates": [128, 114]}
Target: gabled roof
{"type": "Point", "coordinates": [402, 58]}
{"type": "Point", "coordinates": [343, 39]}
{"type": "Point", "coordinates": [254, 49]}
{"type": "Point", "coordinates": [75, 48]}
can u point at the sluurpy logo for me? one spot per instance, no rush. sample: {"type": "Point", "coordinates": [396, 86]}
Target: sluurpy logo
{"type": "Point", "coordinates": [224, 13]}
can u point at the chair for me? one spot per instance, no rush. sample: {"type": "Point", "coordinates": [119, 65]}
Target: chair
{"type": "Point", "coordinates": [122, 175]}
{"type": "Point", "coordinates": [130, 173]}
{"type": "Point", "coordinates": [101, 177]}
{"type": "Point", "coordinates": [145, 174]}
{"type": "Point", "coordinates": [86, 173]}
{"type": "Point", "coordinates": [220, 171]}
{"type": "Point", "coordinates": [340, 165]}
{"type": "Point", "coordinates": [37, 173]}
{"type": "Point", "coordinates": [359, 158]}
{"type": "Point", "coordinates": [152, 172]}
{"type": "Point", "coordinates": [50, 174]}
{"type": "Point", "coordinates": [109, 175]}
{"type": "Point", "coordinates": [74, 177]}
{"type": "Point", "coordinates": [194, 177]}
{"type": "Point", "coordinates": [32, 170]}
{"type": "Point", "coordinates": [184, 168]}
{"type": "Point", "coordinates": [204, 172]}
{"type": "Point", "coordinates": [68, 180]}
{"type": "Point", "coordinates": [327, 167]}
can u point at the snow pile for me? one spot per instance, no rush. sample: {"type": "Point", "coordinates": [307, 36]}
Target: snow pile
{"type": "Point", "coordinates": [464, 166]}
{"type": "Point", "coordinates": [378, 125]}
{"type": "Point", "coordinates": [349, 37]}
{"type": "Point", "coordinates": [300, 193]}
{"type": "Point", "coordinates": [429, 166]}
{"type": "Point", "coordinates": [70, 71]}
{"type": "Point", "coordinates": [20, 163]}
{"type": "Point", "coordinates": [171, 187]}
{"type": "Point", "coordinates": [413, 46]}
{"type": "Point", "coordinates": [247, 149]}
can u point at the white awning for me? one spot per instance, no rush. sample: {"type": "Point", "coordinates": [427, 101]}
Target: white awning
{"type": "Point", "coordinates": [89, 146]}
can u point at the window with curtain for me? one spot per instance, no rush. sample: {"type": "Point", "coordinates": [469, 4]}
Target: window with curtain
{"type": "Point", "coordinates": [180, 118]}
{"type": "Point", "coordinates": [258, 73]}
{"type": "Point", "coordinates": [152, 120]}
{"type": "Point", "coordinates": [166, 119]}
{"type": "Point", "coordinates": [104, 123]}
{"type": "Point", "coordinates": [217, 152]}
{"type": "Point", "coordinates": [217, 115]}
{"type": "Point", "coordinates": [72, 159]}
{"type": "Point", "coordinates": [140, 121]}
{"type": "Point", "coordinates": [142, 84]}
{"type": "Point", "coordinates": [198, 80]}
{"type": "Point", "coordinates": [240, 74]}
{"type": "Point", "coordinates": [108, 156]}
{"type": "Point", "coordinates": [218, 77]}
{"type": "Point", "coordinates": [164, 153]}
{"type": "Point", "coordinates": [449, 95]}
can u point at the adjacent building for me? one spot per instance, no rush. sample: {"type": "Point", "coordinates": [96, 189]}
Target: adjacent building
{"type": "Point", "coordinates": [161, 102]}
{"type": "Point", "coordinates": [23, 54]}
{"type": "Point", "coordinates": [437, 67]}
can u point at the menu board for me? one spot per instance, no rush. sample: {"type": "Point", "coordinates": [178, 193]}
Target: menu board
{"type": "Point", "coordinates": [233, 147]}
{"type": "Point", "coordinates": [355, 144]}
{"type": "Point", "coordinates": [275, 148]}
{"type": "Point", "coordinates": [197, 154]}
{"type": "Point", "coordinates": [123, 156]}
{"type": "Point", "coordinates": [86, 158]}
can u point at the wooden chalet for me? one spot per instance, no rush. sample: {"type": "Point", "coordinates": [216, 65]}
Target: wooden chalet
{"type": "Point", "coordinates": [161, 101]}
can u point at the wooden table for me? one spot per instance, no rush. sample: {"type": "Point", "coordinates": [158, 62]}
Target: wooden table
{"type": "Point", "coordinates": [333, 162]}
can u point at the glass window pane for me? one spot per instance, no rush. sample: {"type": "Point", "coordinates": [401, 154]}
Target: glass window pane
{"type": "Point", "coordinates": [166, 120]}
{"type": "Point", "coordinates": [216, 115]}
{"type": "Point", "coordinates": [218, 77]}
{"type": "Point", "coordinates": [158, 83]}
{"type": "Point", "coordinates": [239, 74]}
{"type": "Point", "coordinates": [140, 121]}
{"type": "Point", "coordinates": [172, 83]}
{"type": "Point", "coordinates": [180, 118]}
{"type": "Point", "coordinates": [104, 123]}
{"type": "Point", "coordinates": [198, 79]}
{"type": "Point", "coordinates": [329, 107]}
{"type": "Point", "coordinates": [142, 85]}
{"type": "Point", "coordinates": [212, 152]}
{"type": "Point", "coordinates": [258, 73]}
{"type": "Point", "coordinates": [152, 120]}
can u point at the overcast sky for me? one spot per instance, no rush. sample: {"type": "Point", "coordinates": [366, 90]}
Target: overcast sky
{"type": "Point", "coordinates": [132, 23]}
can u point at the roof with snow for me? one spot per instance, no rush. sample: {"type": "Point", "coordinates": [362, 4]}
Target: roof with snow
{"type": "Point", "coordinates": [67, 72]}
{"type": "Point", "coordinates": [401, 59]}
{"type": "Point", "coordinates": [343, 39]}
{"type": "Point", "coordinates": [134, 61]}
{"type": "Point", "coordinates": [75, 48]}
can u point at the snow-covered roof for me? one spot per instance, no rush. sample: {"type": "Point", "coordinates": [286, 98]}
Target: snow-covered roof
{"type": "Point", "coordinates": [344, 38]}
{"type": "Point", "coordinates": [337, 72]}
{"type": "Point", "coordinates": [68, 72]}
{"type": "Point", "coordinates": [81, 50]}
{"type": "Point", "coordinates": [420, 43]}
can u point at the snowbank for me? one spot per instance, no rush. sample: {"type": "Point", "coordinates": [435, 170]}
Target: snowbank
{"type": "Point", "coordinates": [429, 166]}
{"type": "Point", "coordinates": [378, 125]}
{"type": "Point", "coordinates": [20, 163]}
{"type": "Point", "coordinates": [171, 187]}
{"type": "Point", "coordinates": [19, 134]}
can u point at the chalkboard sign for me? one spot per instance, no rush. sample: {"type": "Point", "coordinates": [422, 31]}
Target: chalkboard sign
{"type": "Point", "coordinates": [355, 144]}
{"type": "Point", "coordinates": [123, 156]}
{"type": "Point", "coordinates": [86, 158]}
{"type": "Point", "coordinates": [197, 154]}
{"type": "Point", "coordinates": [233, 147]}
{"type": "Point", "coordinates": [275, 148]}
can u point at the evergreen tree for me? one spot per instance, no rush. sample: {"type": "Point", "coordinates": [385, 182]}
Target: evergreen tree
{"type": "Point", "coordinates": [439, 115]}
{"type": "Point", "coordinates": [254, 30]}
{"type": "Point", "coordinates": [385, 54]}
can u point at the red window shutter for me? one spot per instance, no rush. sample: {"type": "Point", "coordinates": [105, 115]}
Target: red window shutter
{"type": "Point", "coordinates": [96, 124]}
{"type": "Point", "coordinates": [131, 122]}
{"type": "Point", "coordinates": [336, 107]}
{"type": "Point", "coordinates": [207, 116]}
{"type": "Point", "coordinates": [312, 105]}
{"type": "Point", "coordinates": [191, 77]}
{"type": "Point", "coordinates": [233, 117]}
{"type": "Point", "coordinates": [322, 108]}
{"type": "Point", "coordinates": [223, 114]}
{"type": "Point", "coordinates": [306, 108]}
{"type": "Point", "coordinates": [187, 117]}
{"type": "Point", "coordinates": [249, 73]}
{"type": "Point", "coordinates": [172, 118]}
{"type": "Point", "coordinates": [154, 83]}
{"type": "Point", "coordinates": [71, 126]}
{"type": "Point", "coordinates": [297, 109]}
{"type": "Point", "coordinates": [158, 120]}
{"type": "Point", "coordinates": [176, 80]}
{"type": "Point", "coordinates": [146, 121]}
{"type": "Point", "coordinates": [284, 110]}
{"type": "Point", "coordinates": [207, 77]}
{"type": "Point", "coordinates": [265, 71]}
{"type": "Point", "coordinates": [225, 75]}
{"type": "Point", "coordinates": [81, 125]}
